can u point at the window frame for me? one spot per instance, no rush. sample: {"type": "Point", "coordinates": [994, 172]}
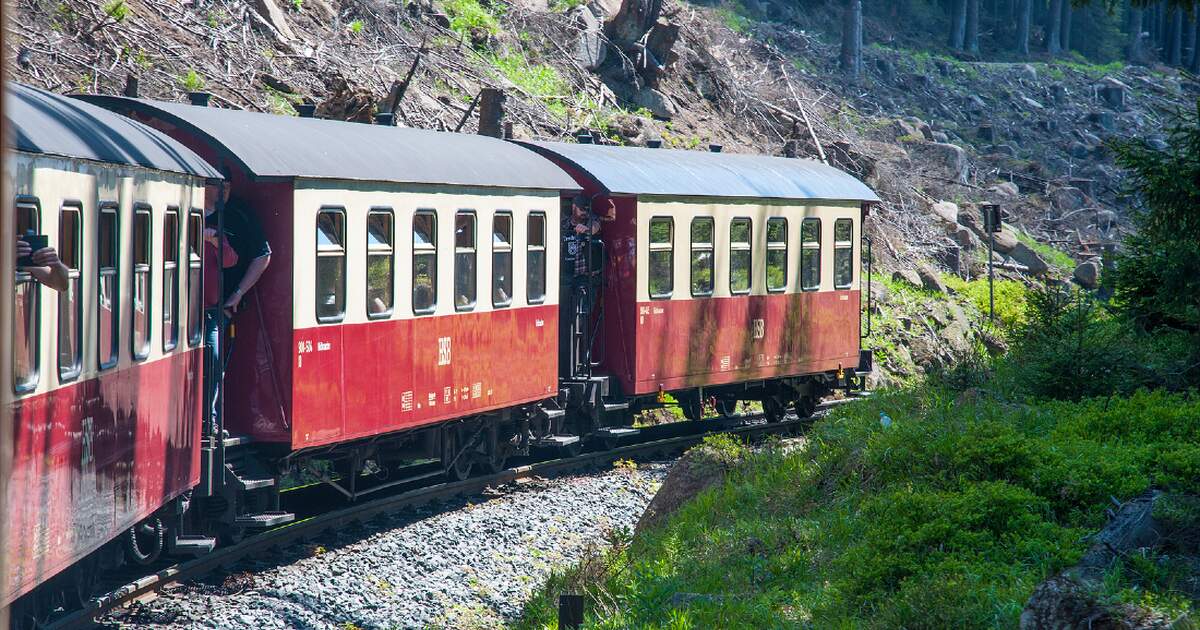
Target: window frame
{"type": "Point", "coordinates": [776, 246]}
{"type": "Point", "coordinates": [113, 208]}
{"type": "Point", "coordinates": [319, 253]}
{"type": "Point", "coordinates": [474, 251]}
{"type": "Point", "coordinates": [146, 209]}
{"type": "Point", "coordinates": [377, 251]}
{"type": "Point", "coordinates": [807, 245]}
{"type": "Point", "coordinates": [425, 251]}
{"type": "Point", "coordinates": [19, 278]}
{"type": "Point", "coordinates": [73, 273]}
{"type": "Point", "coordinates": [529, 249]}
{"type": "Point", "coordinates": [170, 344]}
{"type": "Point", "coordinates": [748, 245]}
{"type": "Point", "coordinates": [843, 246]}
{"type": "Point", "coordinates": [195, 330]}
{"type": "Point", "coordinates": [711, 248]}
{"type": "Point", "coordinates": [669, 246]}
{"type": "Point", "coordinates": [512, 237]}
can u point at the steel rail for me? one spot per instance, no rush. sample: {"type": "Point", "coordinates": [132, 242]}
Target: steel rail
{"type": "Point", "coordinates": [304, 529]}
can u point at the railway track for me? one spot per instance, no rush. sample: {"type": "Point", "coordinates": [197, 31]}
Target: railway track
{"type": "Point", "coordinates": [659, 440]}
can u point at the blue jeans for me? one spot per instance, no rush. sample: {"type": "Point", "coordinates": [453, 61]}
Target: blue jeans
{"type": "Point", "coordinates": [213, 374]}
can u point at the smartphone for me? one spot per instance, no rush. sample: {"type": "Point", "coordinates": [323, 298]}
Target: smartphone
{"type": "Point", "coordinates": [36, 242]}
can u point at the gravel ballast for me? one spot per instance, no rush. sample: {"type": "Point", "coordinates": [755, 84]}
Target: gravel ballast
{"type": "Point", "coordinates": [469, 564]}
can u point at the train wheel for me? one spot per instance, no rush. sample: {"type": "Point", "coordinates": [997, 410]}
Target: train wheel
{"type": "Point", "coordinates": [804, 406]}
{"type": "Point", "coordinates": [144, 541]}
{"type": "Point", "coordinates": [773, 409]}
{"type": "Point", "coordinates": [692, 406]}
{"type": "Point", "coordinates": [726, 408]}
{"type": "Point", "coordinates": [458, 461]}
{"type": "Point", "coordinates": [85, 577]}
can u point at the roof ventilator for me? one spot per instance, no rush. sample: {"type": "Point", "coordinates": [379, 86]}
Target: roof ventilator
{"type": "Point", "coordinates": [714, 148]}
{"type": "Point", "coordinates": [653, 143]}
{"type": "Point", "coordinates": [306, 110]}
{"type": "Point", "coordinates": [584, 138]}
{"type": "Point", "coordinates": [199, 98]}
{"type": "Point", "coordinates": [386, 119]}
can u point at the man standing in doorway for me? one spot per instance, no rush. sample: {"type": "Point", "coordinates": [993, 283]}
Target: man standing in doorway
{"type": "Point", "coordinates": [240, 231]}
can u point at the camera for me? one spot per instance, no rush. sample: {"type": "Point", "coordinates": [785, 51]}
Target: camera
{"type": "Point", "coordinates": [36, 242]}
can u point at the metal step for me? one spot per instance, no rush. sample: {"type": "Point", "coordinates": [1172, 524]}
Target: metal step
{"type": "Point", "coordinates": [264, 519]}
{"type": "Point", "coordinates": [250, 480]}
{"type": "Point", "coordinates": [617, 432]}
{"type": "Point", "coordinates": [557, 441]}
{"type": "Point", "coordinates": [615, 406]}
{"type": "Point", "coordinates": [554, 414]}
{"type": "Point", "coordinates": [194, 545]}
{"type": "Point", "coordinates": [240, 440]}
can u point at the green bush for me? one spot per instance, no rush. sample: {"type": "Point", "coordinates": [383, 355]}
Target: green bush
{"type": "Point", "coordinates": [468, 15]}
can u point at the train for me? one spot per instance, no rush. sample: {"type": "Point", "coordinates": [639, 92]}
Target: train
{"type": "Point", "coordinates": [428, 311]}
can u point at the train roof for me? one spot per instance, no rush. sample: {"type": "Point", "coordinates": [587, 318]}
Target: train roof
{"type": "Point", "coordinates": [273, 146]}
{"type": "Point", "coordinates": [667, 172]}
{"type": "Point", "coordinates": [52, 124]}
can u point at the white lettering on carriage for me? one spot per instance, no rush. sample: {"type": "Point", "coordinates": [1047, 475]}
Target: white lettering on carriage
{"type": "Point", "coordinates": [86, 454]}
{"type": "Point", "coordinates": [759, 327]}
{"type": "Point", "coordinates": [443, 351]}
{"type": "Point", "coordinates": [322, 346]}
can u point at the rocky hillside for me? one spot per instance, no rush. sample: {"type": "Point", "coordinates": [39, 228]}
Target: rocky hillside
{"type": "Point", "coordinates": [936, 136]}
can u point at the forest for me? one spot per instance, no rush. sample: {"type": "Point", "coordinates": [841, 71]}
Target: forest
{"type": "Point", "coordinates": [1134, 31]}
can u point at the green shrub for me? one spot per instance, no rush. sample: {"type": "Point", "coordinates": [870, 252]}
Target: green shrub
{"type": "Point", "coordinates": [468, 15]}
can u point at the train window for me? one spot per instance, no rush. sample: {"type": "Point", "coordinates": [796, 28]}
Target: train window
{"type": "Point", "coordinates": [535, 263]}
{"type": "Point", "coordinates": [331, 265]}
{"type": "Point", "coordinates": [502, 259]}
{"type": "Point", "coordinates": [777, 246]}
{"type": "Point", "coordinates": [662, 257]}
{"type": "Point", "coordinates": [464, 260]}
{"type": "Point", "coordinates": [810, 254]}
{"type": "Point", "coordinates": [741, 255]}
{"type": "Point", "coordinates": [702, 256]}
{"type": "Point", "coordinates": [70, 302]}
{"type": "Point", "coordinates": [170, 279]}
{"type": "Point", "coordinates": [381, 263]}
{"type": "Point", "coordinates": [843, 253]}
{"type": "Point", "coordinates": [195, 281]}
{"type": "Point", "coordinates": [108, 299]}
{"type": "Point", "coordinates": [424, 261]}
{"type": "Point", "coordinates": [141, 281]}
{"type": "Point", "coordinates": [26, 307]}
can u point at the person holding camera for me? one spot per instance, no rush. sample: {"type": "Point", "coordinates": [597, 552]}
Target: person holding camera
{"type": "Point", "coordinates": [43, 265]}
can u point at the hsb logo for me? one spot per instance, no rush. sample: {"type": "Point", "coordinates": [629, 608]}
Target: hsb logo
{"type": "Point", "coordinates": [443, 351]}
{"type": "Point", "coordinates": [759, 328]}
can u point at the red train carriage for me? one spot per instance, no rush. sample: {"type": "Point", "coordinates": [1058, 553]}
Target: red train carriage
{"type": "Point", "coordinates": [732, 277]}
{"type": "Point", "coordinates": [103, 378]}
{"type": "Point", "coordinates": [411, 284]}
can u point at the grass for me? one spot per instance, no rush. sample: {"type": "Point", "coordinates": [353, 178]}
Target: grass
{"type": "Point", "coordinates": [192, 81]}
{"type": "Point", "coordinates": [540, 81]}
{"type": "Point", "coordinates": [1056, 258]}
{"type": "Point", "coordinates": [469, 15]}
{"type": "Point", "coordinates": [1010, 298]}
{"type": "Point", "coordinates": [948, 518]}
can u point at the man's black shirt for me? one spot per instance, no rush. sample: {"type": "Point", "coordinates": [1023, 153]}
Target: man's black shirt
{"type": "Point", "coordinates": [245, 236]}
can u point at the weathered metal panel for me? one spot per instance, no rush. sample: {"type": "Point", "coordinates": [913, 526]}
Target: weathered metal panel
{"type": "Point", "coordinates": [48, 123]}
{"type": "Point", "coordinates": [287, 146]}
{"type": "Point", "coordinates": [674, 173]}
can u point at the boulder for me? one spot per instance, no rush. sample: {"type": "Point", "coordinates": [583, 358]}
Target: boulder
{"type": "Point", "coordinates": [947, 159]}
{"type": "Point", "coordinates": [946, 211]}
{"type": "Point", "coordinates": [1030, 103]}
{"type": "Point", "coordinates": [907, 276]}
{"type": "Point", "coordinates": [905, 129]}
{"type": "Point", "coordinates": [626, 21]}
{"type": "Point", "coordinates": [1087, 274]}
{"type": "Point", "coordinates": [965, 238]}
{"type": "Point", "coordinates": [590, 48]}
{"type": "Point", "coordinates": [1022, 254]}
{"type": "Point", "coordinates": [930, 279]}
{"type": "Point", "coordinates": [923, 127]}
{"type": "Point", "coordinates": [659, 104]}
{"type": "Point", "coordinates": [1005, 190]}
{"type": "Point", "coordinates": [1068, 198]}
{"type": "Point", "coordinates": [1078, 150]}
{"type": "Point", "coordinates": [940, 136]}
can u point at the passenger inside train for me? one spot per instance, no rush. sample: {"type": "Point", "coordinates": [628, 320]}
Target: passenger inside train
{"type": "Point", "coordinates": [43, 264]}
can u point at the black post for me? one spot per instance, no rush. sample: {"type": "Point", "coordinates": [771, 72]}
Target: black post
{"type": "Point", "coordinates": [992, 222]}
{"type": "Point", "coordinates": [570, 612]}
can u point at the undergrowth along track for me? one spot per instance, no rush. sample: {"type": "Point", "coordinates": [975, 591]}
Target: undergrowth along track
{"type": "Point", "coordinates": [749, 426]}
